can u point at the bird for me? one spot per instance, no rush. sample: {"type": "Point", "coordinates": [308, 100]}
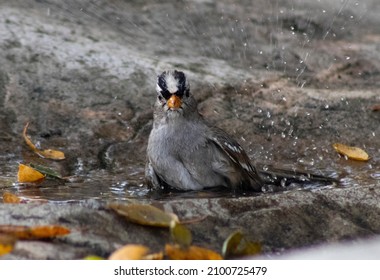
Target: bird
{"type": "Point", "coordinates": [187, 153]}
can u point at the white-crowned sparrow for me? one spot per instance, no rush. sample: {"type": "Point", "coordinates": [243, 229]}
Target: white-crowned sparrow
{"type": "Point", "coordinates": [186, 153]}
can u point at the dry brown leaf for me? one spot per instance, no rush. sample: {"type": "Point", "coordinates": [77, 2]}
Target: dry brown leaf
{"type": "Point", "coordinates": [175, 252]}
{"type": "Point", "coordinates": [26, 174]}
{"type": "Point", "coordinates": [7, 243]}
{"type": "Point", "coordinates": [130, 252]}
{"type": "Point", "coordinates": [375, 108]}
{"type": "Point", "coordinates": [49, 153]}
{"type": "Point", "coordinates": [11, 198]}
{"type": "Point", "coordinates": [351, 152]}
{"type": "Point", "coordinates": [143, 214]}
{"type": "Point", "coordinates": [34, 232]}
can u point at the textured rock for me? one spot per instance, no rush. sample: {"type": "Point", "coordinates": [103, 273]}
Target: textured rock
{"type": "Point", "coordinates": [286, 80]}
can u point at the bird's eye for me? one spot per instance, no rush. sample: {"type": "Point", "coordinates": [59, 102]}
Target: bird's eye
{"type": "Point", "coordinates": [179, 93]}
{"type": "Point", "coordinates": [166, 94]}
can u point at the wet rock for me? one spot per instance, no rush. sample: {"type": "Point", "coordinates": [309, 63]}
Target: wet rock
{"type": "Point", "coordinates": [279, 222]}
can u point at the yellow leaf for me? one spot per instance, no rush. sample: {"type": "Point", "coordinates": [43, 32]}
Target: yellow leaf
{"type": "Point", "coordinates": [238, 245]}
{"type": "Point", "coordinates": [93, 258]}
{"type": "Point", "coordinates": [143, 214]}
{"type": "Point", "coordinates": [7, 243]}
{"type": "Point", "coordinates": [130, 252]}
{"type": "Point", "coordinates": [175, 252]}
{"type": "Point", "coordinates": [10, 198]}
{"type": "Point", "coordinates": [231, 244]}
{"type": "Point", "coordinates": [180, 234]}
{"type": "Point", "coordinates": [34, 232]}
{"type": "Point", "coordinates": [26, 174]}
{"type": "Point", "coordinates": [49, 153]}
{"type": "Point", "coordinates": [155, 256]}
{"type": "Point", "coordinates": [351, 152]}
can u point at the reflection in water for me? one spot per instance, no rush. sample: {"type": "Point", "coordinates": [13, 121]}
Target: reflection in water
{"type": "Point", "coordinates": [107, 186]}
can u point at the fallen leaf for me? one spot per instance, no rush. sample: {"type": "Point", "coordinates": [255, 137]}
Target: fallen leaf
{"type": "Point", "coordinates": [47, 171]}
{"type": "Point", "coordinates": [375, 108]}
{"type": "Point", "coordinates": [175, 252]}
{"type": "Point", "coordinates": [49, 153]}
{"type": "Point", "coordinates": [11, 198]}
{"type": "Point", "coordinates": [237, 245]}
{"type": "Point", "coordinates": [34, 232]}
{"type": "Point", "coordinates": [93, 258]}
{"type": "Point", "coordinates": [181, 235]}
{"type": "Point", "coordinates": [231, 244]}
{"type": "Point", "coordinates": [143, 214]}
{"type": "Point", "coordinates": [130, 252]}
{"type": "Point", "coordinates": [27, 174]}
{"type": "Point", "coordinates": [154, 256]}
{"type": "Point", "coordinates": [351, 152]}
{"type": "Point", "coordinates": [7, 243]}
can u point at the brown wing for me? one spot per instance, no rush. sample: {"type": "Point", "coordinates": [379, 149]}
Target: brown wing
{"type": "Point", "coordinates": [236, 153]}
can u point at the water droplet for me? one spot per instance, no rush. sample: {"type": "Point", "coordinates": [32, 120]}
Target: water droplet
{"type": "Point", "coordinates": [283, 182]}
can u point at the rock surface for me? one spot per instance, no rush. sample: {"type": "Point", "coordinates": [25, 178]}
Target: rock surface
{"type": "Point", "coordinates": [286, 80]}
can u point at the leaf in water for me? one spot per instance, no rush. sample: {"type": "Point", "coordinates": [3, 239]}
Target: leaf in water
{"type": "Point", "coordinates": [237, 245]}
{"type": "Point", "coordinates": [26, 174]}
{"type": "Point", "coordinates": [34, 232]}
{"type": "Point", "coordinates": [130, 252]}
{"type": "Point", "coordinates": [181, 235]}
{"type": "Point", "coordinates": [351, 152]}
{"type": "Point", "coordinates": [7, 243]}
{"type": "Point", "coordinates": [49, 153]}
{"type": "Point", "coordinates": [143, 214]}
{"type": "Point", "coordinates": [11, 198]}
{"type": "Point", "coordinates": [47, 171]}
{"type": "Point", "coordinates": [175, 252]}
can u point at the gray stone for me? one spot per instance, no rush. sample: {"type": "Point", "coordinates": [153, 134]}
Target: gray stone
{"type": "Point", "coordinates": [287, 81]}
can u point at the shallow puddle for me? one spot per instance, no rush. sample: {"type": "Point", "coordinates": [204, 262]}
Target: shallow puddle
{"type": "Point", "coordinates": [107, 186]}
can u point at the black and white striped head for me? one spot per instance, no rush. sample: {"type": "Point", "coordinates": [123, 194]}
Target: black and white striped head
{"type": "Point", "coordinates": [172, 89]}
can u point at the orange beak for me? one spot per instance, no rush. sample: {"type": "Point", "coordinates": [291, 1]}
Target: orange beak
{"type": "Point", "coordinates": [174, 102]}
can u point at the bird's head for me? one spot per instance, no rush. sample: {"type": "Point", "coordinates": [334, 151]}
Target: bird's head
{"type": "Point", "coordinates": [173, 90]}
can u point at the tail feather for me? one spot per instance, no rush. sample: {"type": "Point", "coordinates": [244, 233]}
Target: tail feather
{"type": "Point", "coordinates": [279, 176]}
